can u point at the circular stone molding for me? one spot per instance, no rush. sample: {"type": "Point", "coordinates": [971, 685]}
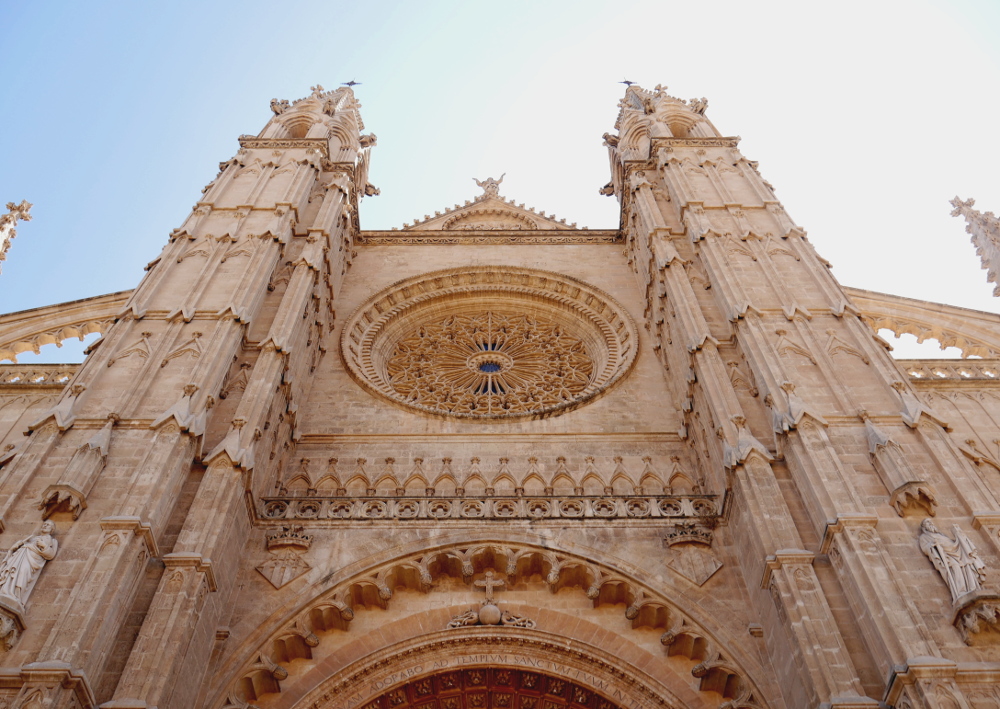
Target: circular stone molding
{"type": "Point", "coordinates": [489, 343]}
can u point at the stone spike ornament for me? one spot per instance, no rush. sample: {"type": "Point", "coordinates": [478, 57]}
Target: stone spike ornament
{"type": "Point", "coordinates": [985, 231]}
{"type": "Point", "coordinates": [14, 213]}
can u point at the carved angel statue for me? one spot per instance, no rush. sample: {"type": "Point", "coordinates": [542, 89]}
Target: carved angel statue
{"type": "Point", "coordinates": [23, 563]}
{"type": "Point", "coordinates": [955, 559]}
{"type": "Point", "coordinates": [491, 187]}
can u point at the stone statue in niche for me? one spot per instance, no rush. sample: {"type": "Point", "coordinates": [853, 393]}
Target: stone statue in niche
{"type": "Point", "coordinates": [19, 571]}
{"type": "Point", "coordinates": [955, 559]}
{"type": "Point", "coordinates": [24, 561]}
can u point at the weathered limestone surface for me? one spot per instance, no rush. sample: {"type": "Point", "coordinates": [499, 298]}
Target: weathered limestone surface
{"type": "Point", "coordinates": [669, 464]}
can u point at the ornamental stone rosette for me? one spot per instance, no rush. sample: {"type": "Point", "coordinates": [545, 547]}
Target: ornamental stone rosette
{"type": "Point", "coordinates": [489, 343]}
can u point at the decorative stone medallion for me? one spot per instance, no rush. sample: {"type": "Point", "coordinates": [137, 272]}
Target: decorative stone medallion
{"type": "Point", "coordinates": [489, 343]}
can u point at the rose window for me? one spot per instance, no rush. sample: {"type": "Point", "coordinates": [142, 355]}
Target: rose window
{"type": "Point", "coordinates": [490, 364]}
{"type": "Point", "coordinates": [489, 343]}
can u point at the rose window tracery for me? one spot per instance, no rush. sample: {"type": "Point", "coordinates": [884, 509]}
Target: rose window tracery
{"type": "Point", "coordinates": [490, 363]}
{"type": "Point", "coordinates": [489, 343]}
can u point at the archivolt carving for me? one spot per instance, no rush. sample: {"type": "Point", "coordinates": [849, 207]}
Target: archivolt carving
{"type": "Point", "coordinates": [534, 343]}
{"type": "Point", "coordinates": [375, 587]}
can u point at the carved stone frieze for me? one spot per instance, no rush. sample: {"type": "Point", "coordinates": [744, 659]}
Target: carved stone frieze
{"type": "Point", "coordinates": [321, 145]}
{"type": "Point", "coordinates": [325, 511]}
{"type": "Point", "coordinates": [694, 142]}
{"type": "Point", "coordinates": [473, 235]}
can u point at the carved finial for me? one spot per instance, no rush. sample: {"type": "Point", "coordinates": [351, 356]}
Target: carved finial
{"type": "Point", "coordinates": [491, 187]}
{"type": "Point", "coordinates": [985, 231]}
{"type": "Point", "coordinates": [7, 222]}
{"type": "Point", "coordinates": [317, 90]}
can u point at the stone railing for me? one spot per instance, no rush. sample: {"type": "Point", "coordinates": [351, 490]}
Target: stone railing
{"type": "Point", "coordinates": [36, 375]}
{"type": "Point", "coordinates": [979, 370]}
{"type": "Point", "coordinates": [496, 507]}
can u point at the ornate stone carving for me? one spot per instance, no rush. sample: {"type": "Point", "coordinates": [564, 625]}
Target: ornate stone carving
{"type": "Point", "coordinates": [689, 551]}
{"type": "Point", "coordinates": [8, 220]}
{"type": "Point", "coordinates": [985, 231]}
{"type": "Point", "coordinates": [955, 559]}
{"type": "Point", "coordinates": [320, 145]}
{"type": "Point", "coordinates": [286, 563]}
{"type": "Point", "coordinates": [544, 344]}
{"type": "Point", "coordinates": [472, 235]}
{"type": "Point", "coordinates": [489, 613]}
{"type": "Point", "coordinates": [19, 572]}
{"type": "Point", "coordinates": [517, 365]}
{"type": "Point", "coordinates": [491, 187]}
{"type": "Point", "coordinates": [329, 511]}
{"type": "Point", "coordinates": [978, 619]}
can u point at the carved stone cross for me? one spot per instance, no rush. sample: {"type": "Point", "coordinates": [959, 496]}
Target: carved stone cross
{"type": "Point", "coordinates": [489, 583]}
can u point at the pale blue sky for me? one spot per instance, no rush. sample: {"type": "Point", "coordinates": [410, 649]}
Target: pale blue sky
{"type": "Point", "coordinates": [866, 116]}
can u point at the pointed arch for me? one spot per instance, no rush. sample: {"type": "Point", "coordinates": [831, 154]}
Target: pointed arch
{"type": "Point", "coordinates": [693, 638]}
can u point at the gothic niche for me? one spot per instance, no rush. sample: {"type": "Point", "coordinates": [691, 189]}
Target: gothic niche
{"type": "Point", "coordinates": [489, 343]}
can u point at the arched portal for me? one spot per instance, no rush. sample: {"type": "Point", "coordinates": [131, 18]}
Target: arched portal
{"type": "Point", "coordinates": [388, 621]}
{"type": "Point", "coordinates": [479, 668]}
{"type": "Point", "coordinates": [494, 688]}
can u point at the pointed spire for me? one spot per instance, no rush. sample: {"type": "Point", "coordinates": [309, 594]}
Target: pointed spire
{"type": "Point", "coordinates": [985, 231]}
{"type": "Point", "coordinates": [8, 220]}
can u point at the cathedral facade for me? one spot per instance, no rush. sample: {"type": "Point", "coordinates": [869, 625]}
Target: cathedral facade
{"type": "Point", "coordinates": [491, 460]}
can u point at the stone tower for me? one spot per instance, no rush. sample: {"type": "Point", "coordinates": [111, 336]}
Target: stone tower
{"type": "Point", "coordinates": [494, 461]}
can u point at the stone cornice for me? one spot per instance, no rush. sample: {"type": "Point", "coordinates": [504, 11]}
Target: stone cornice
{"type": "Point", "coordinates": [730, 142]}
{"type": "Point", "coordinates": [475, 236]}
{"type": "Point", "coordinates": [254, 143]}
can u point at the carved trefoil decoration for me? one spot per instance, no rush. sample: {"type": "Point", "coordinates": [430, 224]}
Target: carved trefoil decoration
{"type": "Point", "coordinates": [489, 613]}
{"type": "Point", "coordinates": [286, 563]}
{"type": "Point", "coordinates": [19, 571]}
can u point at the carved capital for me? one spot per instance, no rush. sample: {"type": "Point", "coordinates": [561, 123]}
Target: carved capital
{"type": "Point", "coordinates": [133, 524]}
{"type": "Point", "coordinates": [977, 618]}
{"type": "Point", "coordinates": [845, 521]}
{"type": "Point", "coordinates": [193, 560]}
